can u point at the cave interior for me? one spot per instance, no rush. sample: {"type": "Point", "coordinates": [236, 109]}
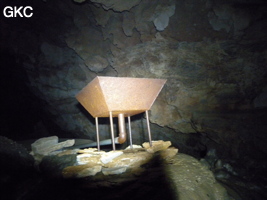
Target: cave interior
{"type": "Point", "coordinates": [213, 106]}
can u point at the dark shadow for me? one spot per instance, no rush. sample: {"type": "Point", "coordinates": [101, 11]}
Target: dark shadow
{"type": "Point", "coordinates": [85, 113]}
{"type": "Point", "coordinates": [153, 183]}
{"type": "Point", "coordinates": [105, 121]}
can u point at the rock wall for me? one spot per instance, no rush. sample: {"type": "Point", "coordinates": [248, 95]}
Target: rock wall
{"type": "Point", "coordinates": [212, 52]}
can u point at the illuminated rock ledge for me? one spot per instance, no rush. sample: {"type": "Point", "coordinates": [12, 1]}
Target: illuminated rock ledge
{"type": "Point", "coordinates": [164, 175]}
{"type": "Point", "coordinates": [90, 161]}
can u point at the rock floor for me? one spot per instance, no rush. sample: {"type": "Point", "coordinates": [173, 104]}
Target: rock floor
{"type": "Point", "coordinates": [183, 178]}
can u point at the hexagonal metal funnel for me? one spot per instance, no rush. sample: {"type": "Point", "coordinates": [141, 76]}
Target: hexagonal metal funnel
{"type": "Point", "coordinates": [119, 96]}
{"type": "Point", "coordinates": [130, 96]}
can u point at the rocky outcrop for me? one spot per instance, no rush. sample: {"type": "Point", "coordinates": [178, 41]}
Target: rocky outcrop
{"type": "Point", "coordinates": [16, 169]}
{"type": "Point", "coordinates": [184, 173]}
{"type": "Point", "coordinates": [14, 158]}
{"type": "Point", "coordinates": [117, 5]}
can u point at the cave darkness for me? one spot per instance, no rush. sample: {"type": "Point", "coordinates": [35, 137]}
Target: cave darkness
{"type": "Point", "coordinates": [212, 53]}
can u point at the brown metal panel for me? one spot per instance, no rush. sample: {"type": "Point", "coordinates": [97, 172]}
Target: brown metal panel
{"type": "Point", "coordinates": [126, 95]}
{"type": "Point", "coordinates": [92, 99]}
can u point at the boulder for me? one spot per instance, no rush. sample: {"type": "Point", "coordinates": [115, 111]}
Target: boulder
{"type": "Point", "coordinates": [106, 158]}
{"type": "Point", "coordinates": [81, 171]}
{"type": "Point", "coordinates": [14, 158]}
{"type": "Point", "coordinates": [130, 160]}
{"type": "Point", "coordinates": [156, 146]}
{"type": "Point", "coordinates": [43, 143]}
{"type": "Point", "coordinates": [113, 171]}
{"type": "Point", "coordinates": [44, 146]}
{"type": "Point", "coordinates": [192, 180]}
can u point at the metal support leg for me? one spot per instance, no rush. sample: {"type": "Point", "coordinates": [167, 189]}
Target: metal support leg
{"type": "Point", "coordinates": [112, 130]}
{"type": "Point", "coordinates": [97, 133]}
{"type": "Point", "coordinates": [130, 132]}
{"type": "Point", "coordinates": [148, 128]}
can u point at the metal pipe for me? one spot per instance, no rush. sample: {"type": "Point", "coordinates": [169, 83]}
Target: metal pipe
{"type": "Point", "coordinates": [97, 133]}
{"type": "Point", "coordinates": [112, 130]}
{"type": "Point", "coordinates": [122, 129]}
{"type": "Point", "coordinates": [148, 128]}
{"type": "Point", "coordinates": [130, 132]}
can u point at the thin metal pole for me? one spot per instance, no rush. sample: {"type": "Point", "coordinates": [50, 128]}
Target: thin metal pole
{"type": "Point", "coordinates": [112, 130]}
{"type": "Point", "coordinates": [148, 128]}
{"type": "Point", "coordinates": [97, 133]}
{"type": "Point", "coordinates": [130, 132]}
